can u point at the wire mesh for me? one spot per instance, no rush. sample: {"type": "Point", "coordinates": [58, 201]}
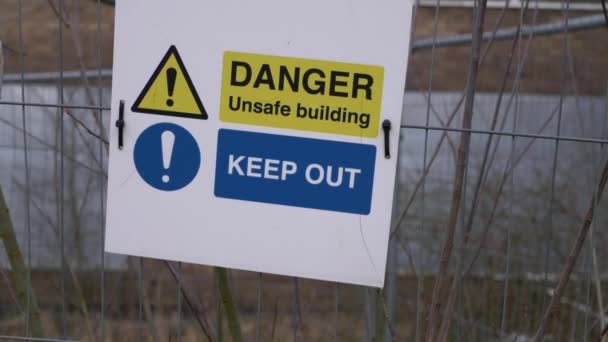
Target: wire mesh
{"type": "Point", "coordinates": [533, 172]}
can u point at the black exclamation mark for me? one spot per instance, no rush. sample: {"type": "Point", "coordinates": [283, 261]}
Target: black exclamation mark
{"type": "Point", "coordinates": [171, 76]}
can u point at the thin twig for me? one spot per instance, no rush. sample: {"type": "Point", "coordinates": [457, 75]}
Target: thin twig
{"type": "Point", "coordinates": [74, 28]}
{"type": "Point", "coordinates": [605, 11]}
{"type": "Point", "coordinates": [382, 301]}
{"type": "Point", "coordinates": [573, 256]}
{"type": "Point", "coordinates": [406, 248]}
{"type": "Point", "coordinates": [18, 269]}
{"type": "Point", "coordinates": [509, 168]}
{"type": "Point", "coordinates": [1, 68]}
{"type": "Point", "coordinates": [12, 50]}
{"type": "Point", "coordinates": [85, 127]}
{"type": "Point", "coordinates": [404, 211]}
{"type": "Point", "coordinates": [56, 12]}
{"type": "Point", "coordinates": [463, 156]}
{"type": "Point", "coordinates": [603, 334]}
{"type": "Point", "coordinates": [274, 319]}
{"type": "Point", "coordinates": [52, 147]}
{"type": "Point", "coordinates": [11, 293]}
{"type": "Point", "coordinates": [447, 317]}
{"type": "Point", "coordinates": [596, 277]}
{"type": "Point", "coordinates": [85, 141]}
{"type": "Point", "coordinates": [193, 309]}
{"type": "Point", "coordinates": [512, 162]}
{"type": "Point", "coordinates": [82, 303]}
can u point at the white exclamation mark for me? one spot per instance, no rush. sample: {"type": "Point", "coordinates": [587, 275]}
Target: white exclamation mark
{"type": "Point", "coordinates": [167, 141]}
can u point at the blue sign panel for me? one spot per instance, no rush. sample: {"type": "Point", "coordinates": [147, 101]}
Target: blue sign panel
{"type": "Point", "coordinates": [167, 156]}
{"type": "Point", "coordinates": [299, 172]}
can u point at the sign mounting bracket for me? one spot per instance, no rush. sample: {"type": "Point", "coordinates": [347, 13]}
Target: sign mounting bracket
{"type": "Point", "coordinates": [120, 123]}
{"type": "Point", "coordinates": [386, 127]}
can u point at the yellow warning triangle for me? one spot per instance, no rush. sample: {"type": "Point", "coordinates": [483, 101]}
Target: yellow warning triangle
{"type": "Point", "coordinates": [170, 91]}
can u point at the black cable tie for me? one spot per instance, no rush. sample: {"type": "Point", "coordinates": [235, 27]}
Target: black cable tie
{"type": "Point", "coordinates": [120, 123]}
{"type": "Point", "coordinates": [386, 127]}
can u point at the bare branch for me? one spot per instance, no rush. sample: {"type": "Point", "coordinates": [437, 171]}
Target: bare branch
{"type": "Point", "coordinates": [86, 128]}
{"type": "Point", "coordinates": [18, 269]}
{"type": "Point", "coordinates": [463, 156]}
{"type": "Point", "coordinates": [201, 324]}
{"type": "Point", "coordinates": [573, 256]}
{"type": "Point", "coordinates": [1, 68]}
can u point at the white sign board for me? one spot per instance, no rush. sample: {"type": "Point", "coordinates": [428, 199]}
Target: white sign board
{"type": "Point", "coordinates": [251, 134]}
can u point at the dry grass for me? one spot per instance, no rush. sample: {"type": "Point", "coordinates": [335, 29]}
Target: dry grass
{"type": "Point", "coordinates": [480, 303]}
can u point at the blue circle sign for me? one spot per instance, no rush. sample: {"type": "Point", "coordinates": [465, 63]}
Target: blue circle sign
{"type": "Point", "coordinates": [167, 156]}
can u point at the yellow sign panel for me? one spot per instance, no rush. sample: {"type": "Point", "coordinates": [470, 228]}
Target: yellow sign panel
{"type": "Point", "coordinates": [302, 94]}
{"type": "Point", "coordinates": [170, 91]}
